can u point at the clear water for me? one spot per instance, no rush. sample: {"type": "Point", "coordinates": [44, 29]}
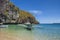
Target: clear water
{"type": "Point", "coordinates": [46, 32]}
{"type": "Point", "coordinates": [38, 32]}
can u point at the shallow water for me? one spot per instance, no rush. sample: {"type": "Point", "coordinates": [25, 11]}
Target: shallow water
{"type": "Point", "coordinates": [14, 32]}
{"type": "Point", "coordinates": [39, 32]}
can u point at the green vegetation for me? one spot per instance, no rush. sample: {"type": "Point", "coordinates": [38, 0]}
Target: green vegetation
{"type": "Point", "coordinates": [15, 15]}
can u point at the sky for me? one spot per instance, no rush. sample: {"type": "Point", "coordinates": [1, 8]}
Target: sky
{"type": "Point", "coordinates": [45, 11]}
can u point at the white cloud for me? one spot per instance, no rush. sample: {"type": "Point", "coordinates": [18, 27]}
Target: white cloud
{"type": "Point", "coordinates": [36, 11]}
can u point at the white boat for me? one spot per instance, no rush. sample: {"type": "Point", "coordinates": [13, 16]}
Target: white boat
{"type": "Point", "coordinates": [27, 23]}
{"type": "Point", "coordinates": [22, 25]}
{"type": "Point", "coordinates": [27, 26]}
{"type": "Point", "coordinates": [3, 26]}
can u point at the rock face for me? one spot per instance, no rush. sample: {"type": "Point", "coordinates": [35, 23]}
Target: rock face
{"type": "Point", "coordinates": [9, 13]}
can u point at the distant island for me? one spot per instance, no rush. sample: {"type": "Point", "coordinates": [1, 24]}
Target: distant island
{"type": "Point", "coordinates": [9, 13]}
{"type": "Point", "coordinates": [56, 23]}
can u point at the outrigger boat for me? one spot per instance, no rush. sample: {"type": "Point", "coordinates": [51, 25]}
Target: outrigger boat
{"type": "Point", "coordinates": [3, 26]}
{"type": "Point", "coordinates": [27, 26]}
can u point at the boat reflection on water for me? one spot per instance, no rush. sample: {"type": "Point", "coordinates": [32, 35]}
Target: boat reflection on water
{"type": "Point", "coordinates": [26, 26]}
{"type": "Point", "coordinates": [29, 27]}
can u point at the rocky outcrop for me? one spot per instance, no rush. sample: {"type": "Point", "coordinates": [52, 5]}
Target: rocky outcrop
{"type": "Point", "coordinates": [26, 17]}
{"type": "Point", "coordinates": [9, 13]}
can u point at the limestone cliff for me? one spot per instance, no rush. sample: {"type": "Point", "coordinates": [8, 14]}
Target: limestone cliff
{"type": "Point", "coordinates": [9, 13]}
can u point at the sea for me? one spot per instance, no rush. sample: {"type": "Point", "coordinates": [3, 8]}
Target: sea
{"type": "Point", "coordinates": [38, 32]}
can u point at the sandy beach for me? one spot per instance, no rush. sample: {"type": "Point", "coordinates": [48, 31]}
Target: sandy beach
{"type": "Point", "coordinates": [6, 34]}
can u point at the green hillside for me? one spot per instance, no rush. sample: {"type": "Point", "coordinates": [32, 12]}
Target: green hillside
{"type": "Point", "coordinates": [12, 14]}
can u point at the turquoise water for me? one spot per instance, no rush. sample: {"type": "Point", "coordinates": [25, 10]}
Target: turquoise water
{"type": "Point", "coordinates": [15, 32]}
{"type": "Point", "coordinates": [46, 32]}
{"type": "Point", "coordinates": [38, 32]}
